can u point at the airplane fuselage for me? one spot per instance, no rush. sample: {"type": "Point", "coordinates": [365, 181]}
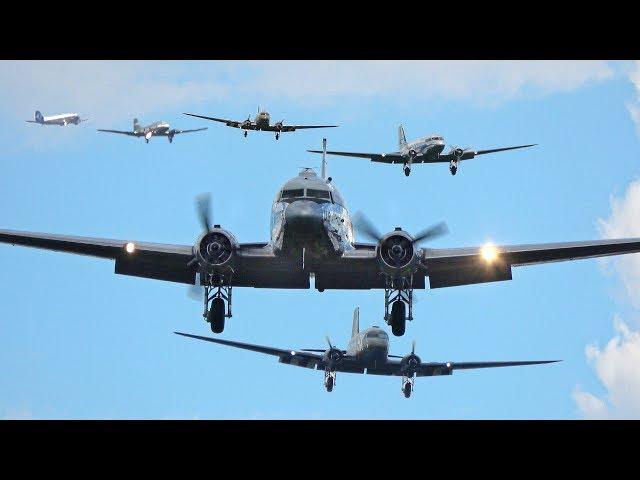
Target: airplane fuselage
{"type": "Point", "coordinates": [262, 120]}
{"type": "Point", "coordinates": [309, 213]}
{"type": "Point", "coordinates": [156, 128]}
{"type": "Point", "coordinates": [61, 120]}
{"type": "Point", "coordinates": [428, 147]}
{"type": "Point", "coordinates": [371, 346]}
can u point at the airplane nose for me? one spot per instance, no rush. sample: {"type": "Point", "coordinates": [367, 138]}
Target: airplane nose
{"type": "Point", "coordinates": [304, 217]}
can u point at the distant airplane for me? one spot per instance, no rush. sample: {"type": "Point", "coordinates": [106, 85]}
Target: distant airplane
{"type": "Point", "coordinates": [423, 150]}
{"type": "Point", "coordinates": [62, 120]}
{"type": "Point", "coordinates": [260, 122]}
{"type": "Point", "coordinates": [156, 129]}
{"type": "Point", "coordinates": [368, 352]}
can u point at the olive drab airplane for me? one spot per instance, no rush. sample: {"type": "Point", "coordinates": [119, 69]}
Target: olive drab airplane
{"type": "Point", "coordinates": [61, 120]}
{"type": "Point", "coordinates": [368, 352]}
{"type": "Point", "coordinates": [312, 238]}
{"type": "Point", "coordinates": [423, 150]}
{"type": "Point", "coordinates": [261, 122]}
{"type": "Point", "coordinates": [155, 129]}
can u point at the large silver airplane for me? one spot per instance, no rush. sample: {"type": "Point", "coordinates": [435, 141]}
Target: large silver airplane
{"type": "Point", "coordinates": [312, 239]}
{"type": "Point", "coordinates": [261, 122]}
{"type": "Point", "coordinates": [423, 150]}
{"type": "Point", "coordinates": [61, 120]}
{"type": "Point", "coordinates": [367, 352]}
{"type": "Point", "coordinates": [155, 129]}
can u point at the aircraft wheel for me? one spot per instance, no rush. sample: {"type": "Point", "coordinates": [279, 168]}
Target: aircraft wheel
{"type": "Point", "coordinates": [329, 384]}
{"type": "Point", "coordinates": [454, 171]}
{"type": "Point", "coordinates": [245, 134]}
{"type": "Point", "coordinates": [407, 171]}
{"type": "Point", "coordinates": [398, 318]}
{"type": "Point", "coordinates": [406, 390]}
{"type": "Point", "coordinates": [217, 315]}
{"type": "Point", "coordinates": [277, 136]}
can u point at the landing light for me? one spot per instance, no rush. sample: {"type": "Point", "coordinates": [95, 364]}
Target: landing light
{"type": "Point", "coordinates": [130, 247]}
{"type": "Point", "coordinates": [489, 252]}
{"type": "Point", "coordinates": [293, 352]}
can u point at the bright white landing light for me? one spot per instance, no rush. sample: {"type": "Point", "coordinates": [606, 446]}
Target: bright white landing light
{"type": "Point", "coordinates": [130, 247]}
{"type": "Point", "coordinates": [489, 252]}
{"type": "Point", "coordinates": [293, 352]}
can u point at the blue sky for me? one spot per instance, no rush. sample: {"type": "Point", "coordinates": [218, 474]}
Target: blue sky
{"type": "Point", "coordinates": [77, 341]}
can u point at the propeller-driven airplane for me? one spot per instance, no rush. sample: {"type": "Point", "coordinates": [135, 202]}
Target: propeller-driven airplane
{"type": "Point", "coordinates": [312, 237]}
{"type": "Point", "coordinates": [261, 122]}
{"type": "Point", "coordinates": [156, 129]}
{"type": "Point", "coordinates": [367, 352]}
{"type": "Point", "coordinates": [61, 120]}
{"type": "Point", "coordinates": [423, 150]}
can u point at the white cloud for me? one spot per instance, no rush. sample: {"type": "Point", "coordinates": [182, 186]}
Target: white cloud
{"type": "Point", "coordinates": [617, 366]}
{"type": "Point", "coordinates": [624, 222]}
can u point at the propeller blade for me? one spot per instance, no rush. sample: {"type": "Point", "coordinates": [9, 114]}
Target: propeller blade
{"type": "Point", "coordinates": [432, 232]}
{"type": "Point", "coordinates": [203, 207]}
{"type": "Point", "coordinates": [413, 347]}
{"type": "Point", "coordinates": [364, 226]}
{"type": "Point", "coordinates": [328, 341]}
{"type": "Point", "coordinates": [195, 292]}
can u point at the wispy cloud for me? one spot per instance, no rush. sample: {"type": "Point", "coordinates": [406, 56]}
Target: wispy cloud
{"type": "Point", "coordinates": [616, 366]}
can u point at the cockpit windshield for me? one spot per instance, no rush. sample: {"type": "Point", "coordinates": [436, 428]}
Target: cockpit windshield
{"type": "Point", "coordinates": [295, 193]}
{"type": "Point", "coordinates": [378, 334]}
{"type": "Point", "coordinates": [314, 193]}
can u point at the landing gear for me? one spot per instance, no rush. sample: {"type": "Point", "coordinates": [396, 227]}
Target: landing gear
{"type": "Point", "coordinates": [399, 295]}
{"type": "Point", "coordinates": [170, 139]}
{"type": "Point", "coordinates": [407, 385]}
{"type": "Point", "coordinates": [217, 306]}
{"type": "Point", "coordinates": [407, 170]}
{"type": "Point", "coordinates": [246, 133]}
{"type": "Point", "coordinates": [398, 318]}
{"type": "Point", "coordinates": [277, 135]}
{"type": "Point", "coordinates": [453, 167]}
{"type": "Point", "coordinates": [329, 380]}
{"type": "Point", "coordinates": [146, 140]}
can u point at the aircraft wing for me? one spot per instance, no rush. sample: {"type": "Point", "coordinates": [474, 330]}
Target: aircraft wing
{"type": "Point", "coordinates": [229, 123]}
{"type": "Point", "coordinates": [123, 132]}
{"type": "Point", "coordinates": [464, 266]}
{"type": "Point", "coordinates": [469, 154]}
{"type": "Point", "coordinates": [432, 369]}
{"type": "Point", "coordinates": [393, 157]}
{"type": "Point", "coordinates": [298, 358]}
{"type": "Point", "coordinates": [175, 132]}
{"type": "Point", "coordinates": [293, 128]}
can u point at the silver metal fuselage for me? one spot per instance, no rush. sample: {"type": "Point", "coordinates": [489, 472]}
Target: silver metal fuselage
{"type": "Point", "coordinates": [370, 346]}
{"type": "Point", "coordinates": [156, 128]}
{"type": "Point", "coordinates": [428, 147]}
{"type": "Point", "coordinates": [301, 219]}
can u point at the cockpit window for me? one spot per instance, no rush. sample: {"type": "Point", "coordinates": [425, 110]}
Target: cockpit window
{"type": "Point", "coordinates": [314, 193]}
{"type": "Point", "coordinates": [376, 335]}
{"type": "Point", "coordinates": [298, 192]}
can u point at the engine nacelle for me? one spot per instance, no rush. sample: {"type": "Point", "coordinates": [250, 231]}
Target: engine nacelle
{"type": "Point", "coordinates": [397, 254]}
{"type": "Point", "coordinates": [332, 357]}
{"type": "Point", "coordinates": [409, 364]}
{"type": "Point", "coordinates": [215, 250]}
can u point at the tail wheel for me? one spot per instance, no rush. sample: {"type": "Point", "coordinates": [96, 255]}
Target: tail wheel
{"type": "Point", "coordinates": [216, 315]}
{"type": "Point", "coordinates": [398, 318]}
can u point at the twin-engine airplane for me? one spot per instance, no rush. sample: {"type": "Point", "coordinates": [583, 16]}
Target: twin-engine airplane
{"type": "Point", "coordinates": [368, 352]}
{"type": "Point", "coordinates": [312, 237]}
{"type": "Point", "coordinates": [261, 122]}
{"type": "Point", "coordinates": [423, 150]}
{"type": "Point", "coordinates": [62, 120]}
{"type": "Point", "coordinates": [156, 129]}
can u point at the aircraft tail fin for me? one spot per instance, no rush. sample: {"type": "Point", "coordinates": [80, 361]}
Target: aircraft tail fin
{"type": "Point", "coordinates": [39, 117]}
{"type": "Point", "coordinates": [402, 138]}
{"type": "Point", "coordinates": [355, 329]}
{"type": "Point", "coordinates": [136, 125]}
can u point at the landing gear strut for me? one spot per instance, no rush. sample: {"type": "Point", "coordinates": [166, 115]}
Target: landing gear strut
{"type": "Point", "coordinates": [407, 170]}
{"type": "Point", "coordinates": [277, 135]}
{"type": "Point", "coordinates": [329, 380]}
{"type": "Point", "coordinates": [399, 294]}
{"type": "Point", "coordinates": [407, 385]}
{"type": "Point", "coordinates": [453, 167]}
{"type": "Point", "coordinates": [246, 133]}
{"type": "Point", "coordinates": [217, 305]}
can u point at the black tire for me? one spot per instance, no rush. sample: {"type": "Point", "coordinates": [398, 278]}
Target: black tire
{"type": "Point", "coordinates": [217, 315]}
{"type": "Point", "coordinates": [406, 390]}
{"type": "Point", "coordinates": [407, 172]}
{"type": "Point", "coordinates": [329, 384]}
{"type": "Point", "coordinates": [398, 318]}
